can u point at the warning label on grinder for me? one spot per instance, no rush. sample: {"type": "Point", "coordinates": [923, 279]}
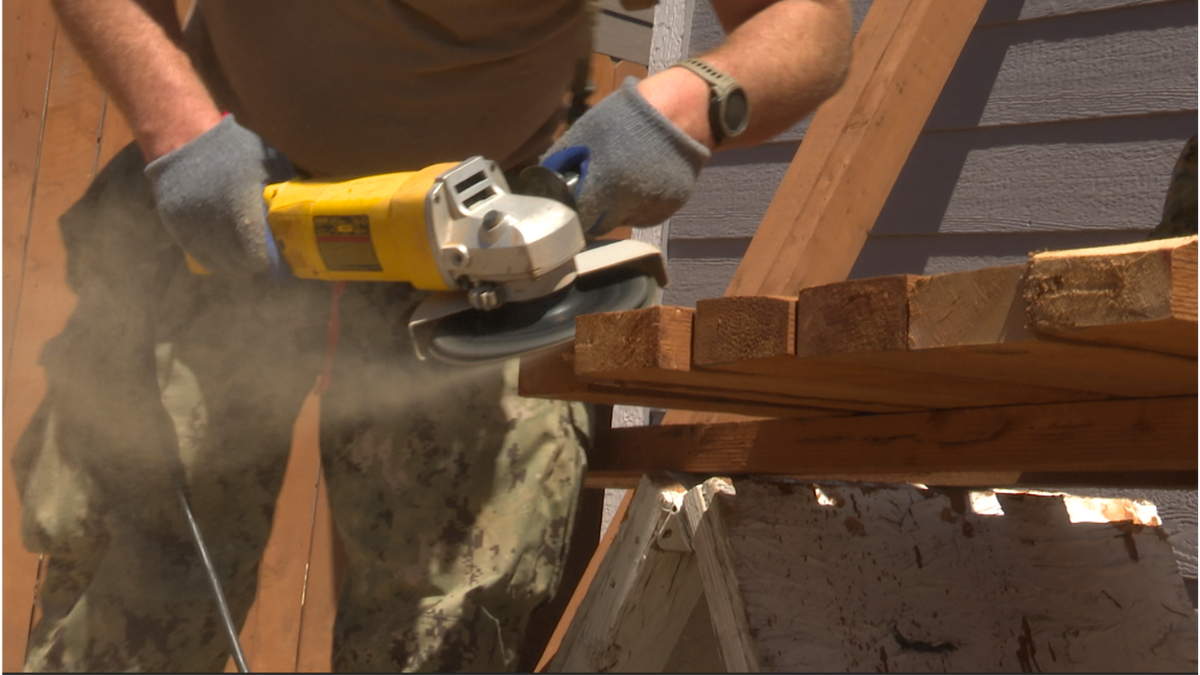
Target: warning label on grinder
{"type": "Point", "coordinates": [344, 243]}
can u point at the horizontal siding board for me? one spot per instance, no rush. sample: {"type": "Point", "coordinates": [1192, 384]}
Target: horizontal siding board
{"type": "Point", "coordinates": [1106, 174]}
{"type": "Point", "coordinates": [622, 38]}
{"type": "Point", "coordinates": [1094, 174]}
{"type": "Point", "coordinates": [733, 192]}
{"type": "Point", "coordinates": [1133, 61]}
{"type": "Point", "coordinates": [645, 15]}
{"type": "Point", "coordinates": [998, 11]}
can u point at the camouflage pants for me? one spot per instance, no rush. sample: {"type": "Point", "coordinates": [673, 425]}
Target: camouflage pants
{"type": "Point", "coordinates": [454, 498]}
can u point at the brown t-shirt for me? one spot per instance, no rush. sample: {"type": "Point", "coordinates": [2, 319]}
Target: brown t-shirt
{"type": "Point", "coordinates": [348, 87]}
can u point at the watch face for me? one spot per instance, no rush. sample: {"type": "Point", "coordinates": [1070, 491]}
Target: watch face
{"type": "Point", "coordinates": [735, 112]}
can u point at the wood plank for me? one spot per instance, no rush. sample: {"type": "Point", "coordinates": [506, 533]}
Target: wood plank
{"type": "Point", "coordinates": [1141, 296]}
{"type": "Point", "coordinates": [66, 163]}
{"type": "Point", "coordinates": [29, 28]}
{"type": "Point", "coordinates": [601, 74]}
{"type": "Point", "coordinates": [326, 569]}
{"type": "Point", "coordinates": [271, 633]}
{"type": "Point", "coordinates": [551, 374]}
{"type": "Point", "coordinates": [637, 586]}
{"type": "Point", "coordinates": [652, 347]}
{"type": "Point", "coordinates": [857, 145]}
{"type": "Point", "coordinates": [1099, 436]}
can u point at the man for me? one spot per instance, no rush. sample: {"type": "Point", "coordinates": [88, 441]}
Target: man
{"type": "Point", "coordinates": [454, 498]}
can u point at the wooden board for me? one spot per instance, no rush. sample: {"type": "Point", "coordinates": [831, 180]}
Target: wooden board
{"type": "Point", "coordinates": [856, 146]}
{"type": "Point", "coordinates": [653, 346]}
{"type": "Point", "coordinates": [1101, 437]}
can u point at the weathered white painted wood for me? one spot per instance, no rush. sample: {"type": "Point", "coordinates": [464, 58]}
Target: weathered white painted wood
{"type": "Point", "coordinates": [1102, 64]}
{"type": "Point", "coordinates": [716, 560]}
{"type": "Point", "coordinates": [902, 579]}
{"type": "Point", "coordinates": [640, 599]}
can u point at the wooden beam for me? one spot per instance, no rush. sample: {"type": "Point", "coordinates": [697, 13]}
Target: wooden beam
{"type": "Point", "coordinates": [1101, 436]}
{"type": "Point", "coordinates": [855, 148]}
{"type": "Point", "coordinates": [1147, 289]}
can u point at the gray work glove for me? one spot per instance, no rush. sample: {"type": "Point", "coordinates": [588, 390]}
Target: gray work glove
{"type": "Point", "coordinates": [210, 198]}
{"type": "Point", "coordinates": [635, 166]}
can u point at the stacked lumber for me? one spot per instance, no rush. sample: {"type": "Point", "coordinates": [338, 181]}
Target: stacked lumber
{"type": "Point", "coordinates": [1065, 362]}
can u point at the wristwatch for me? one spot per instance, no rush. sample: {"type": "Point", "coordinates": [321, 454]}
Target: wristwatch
{"type": "Point", "coordinates": [728, 108]}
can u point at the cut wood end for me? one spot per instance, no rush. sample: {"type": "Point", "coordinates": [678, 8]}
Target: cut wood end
{"type": "Point", "coordinates": [854, 316]}
{"type": "Point", "coordinates": [743, 327]}
{"type": "Point", "coordinates": [654, 337]}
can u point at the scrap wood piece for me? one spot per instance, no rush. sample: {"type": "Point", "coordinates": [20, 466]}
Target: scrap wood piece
{"type": "Point", "coordinates": [841, 577]}
{"type": "Point", "coordinates": [962, 324]}
{"type": "Point", "coordinates": [1141, 296]}
{"type": "Point", "coordinates": [1101, 437]}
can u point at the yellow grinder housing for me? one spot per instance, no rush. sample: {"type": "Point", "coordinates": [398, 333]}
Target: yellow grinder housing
{"type": "Point", "coordinates": [360, 229]}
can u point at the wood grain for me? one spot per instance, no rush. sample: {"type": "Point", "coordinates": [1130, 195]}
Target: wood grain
{"type": "Point", "coordinates": [66, 163]}
{"type": "Point", "coordinates": [1141, 296]}
{"type": "Point", "coordinates": [637, 585]}
{"type": "Point", "coordinates": [29, 29]}
{"type": "Point", "coordinates": [1098, 436]}
{"type": "Point", "coordinates": [551, 374]}
{"type": "Point", "coordinates": [973, 325]}
{"type": "Point", "coordinates": [857, 145]}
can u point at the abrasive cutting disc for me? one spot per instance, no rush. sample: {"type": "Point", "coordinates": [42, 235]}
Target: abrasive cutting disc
{"type": "Point", "coordinates": [518, 328]}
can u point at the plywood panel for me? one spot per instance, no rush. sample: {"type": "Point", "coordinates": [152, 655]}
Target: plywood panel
{"type": "Point", "coordinates": [66, 163]}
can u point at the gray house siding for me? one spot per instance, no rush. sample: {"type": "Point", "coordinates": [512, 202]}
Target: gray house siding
{"type": "Point", "coordinates": [1057, 129]}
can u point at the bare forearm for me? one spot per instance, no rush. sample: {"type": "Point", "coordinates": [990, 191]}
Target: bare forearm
{"type": "Point", "coordinates": [133, 49]}
{"type": "Point", "coordinates": [789, 56]}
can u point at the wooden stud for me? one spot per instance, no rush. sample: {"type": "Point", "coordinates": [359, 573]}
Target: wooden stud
{"type": "Point", "coordinates": [856, 146]}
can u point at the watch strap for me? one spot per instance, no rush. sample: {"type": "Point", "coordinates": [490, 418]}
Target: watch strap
{"type": "Point", "coordinates": [721, 85]}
